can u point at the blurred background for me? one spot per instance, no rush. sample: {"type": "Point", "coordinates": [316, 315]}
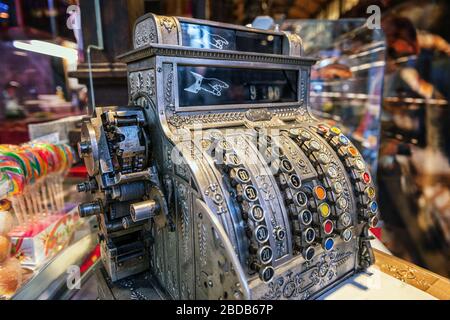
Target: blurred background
{"type": "Point", "coordinates": [387, 87]}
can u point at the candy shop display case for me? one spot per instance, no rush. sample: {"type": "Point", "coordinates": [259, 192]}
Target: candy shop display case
{"type": "Point", "coordinates": [74, 262]}
{"type": "Point", "coordinates": [40, 228]}
{"type": "Point", "coordinates": [347, 81]}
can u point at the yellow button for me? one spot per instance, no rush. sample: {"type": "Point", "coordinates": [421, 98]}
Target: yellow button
{"type": "Point", "coordinates": [335, 130]}
{"type": "Point", "coordinates": [324, 210]}
{"type": "Point", "coordinates": [370, 191]}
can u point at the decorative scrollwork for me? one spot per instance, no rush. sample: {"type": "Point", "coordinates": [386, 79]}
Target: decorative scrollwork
{"type": "Point", "coordinates": [319, 274]}
{"type": "Point", "coordinates": [142, 82]}
{"type": "Point", "coordinates": [168, 23]}
{"type": "Point", "coordinates": [202, 243]}
{"type": "Point", "coordinates": [145, 33]}
{"type": "Point", "coordinates": [213, 192]}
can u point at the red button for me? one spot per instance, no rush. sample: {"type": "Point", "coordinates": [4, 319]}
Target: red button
{"type": "Point", "coordinates": [366, 177]}
{"type": "Point", "coordinates": [322, 129]}
{"type": "Point", "coordinates": [328, 226]}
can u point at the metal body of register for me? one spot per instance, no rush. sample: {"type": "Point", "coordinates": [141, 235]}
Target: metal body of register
{"type": "Point", "coordinates": [216, 177]}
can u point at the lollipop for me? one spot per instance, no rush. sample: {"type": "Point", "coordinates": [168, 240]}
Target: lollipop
{"type": "Point", "coordinates": [15, 154]}
{"type": "Point", "coordinates": [14, 173]}
{"type": "Point", "coordinates": [69, 156]}
{"type": "Point", "coordinates": [11, 177]}
{"type": "Point", "coordinates": [46, 155]}
{"type": "Point", "coordinates": [5, 185]}
{"type": "Point", "coordinates": [32, 177]}
{"type": "Point", "coordinates": [37, 165]}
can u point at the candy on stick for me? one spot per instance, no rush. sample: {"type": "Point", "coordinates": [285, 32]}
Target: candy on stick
{"type": "Point", "coordinates": [14, 153]}
{"type": "Point", "coordinates": [13, 177]}
{"type": "Point", "coordinates": [31, 177]}
{"type": "Point", "coordinates": [39, 170]}
{"type": "Point", "coordinates": [5, 185]}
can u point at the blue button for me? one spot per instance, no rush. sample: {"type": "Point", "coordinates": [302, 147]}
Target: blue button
{"type": "Point", "coordinates": [329, 243]}
{"type": "Point", "coordinates": [373, 207]}
{"type": "Point", "coordinates": [309, 253]}
{"type": "Point", "coordinates": [343, 139]}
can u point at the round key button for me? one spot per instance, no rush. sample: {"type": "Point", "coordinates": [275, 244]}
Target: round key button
{"type": "Point", "coordinates": [261, 234]}
{"type": "Point", "coordinates": [332, 172]}
{"type": "Point", "coordinates": [250, 193]}
{"type": "Point", "coordinates": [266, 273]}
{"type": "Point", "coordinates": [300, 199]}
{"type": "Point", "coordinates": [336, 131]}
{"type": "Point", "coordinates": [306, 217]}
{"type": "Point", "coordinates": [322, 129]}
{"type": "Point", "coordinates": [257, 213]}
{"type": "Point", "coordinates": [342, 203]}
{"type": "Point", "coordinates": [328, 244]}
{"type": "Point", "coordinates": [286, 166]}
{"type": "Point", "coordinates": [323, 158]}
{"type": "Point", "coordinates": [345, 219]}
{"type": "Point", "coordinates": [320, 193]}
{"type": "Point", "coordinates": [308, 253]}
{"type": "Point", "coordinates": [366, 177]}
{"type": "Point", "coordinates": [352, 151]}
{"type": "Point", "coordinates": [324, 209]}
{"type": "Point", "coordinates": [294, 132]}
{"type": "Point", "coordinates": [309, 235]}
{"type": "Point", "coordinates": [294, 181]}
{"type": "Point", "coordinates": [370, 192]}
{"type": "Point", "coordinates": [314, 145]}
{"type": "Point", "coordinates": [327, 226]}
{"type": "Point", "coordinates": [343, 140]}
{"type": "Point", "coordinates": [265, 254]}
{"type": "Point", "coordinates": [373, 206]}
{"type": "Point", "coordinates": [232, 160]}
{"type": "Point", "coordinates": [347, 235]}
{"type": "Point", "coordinates": [305, 135]}
{"type": "Point", "coordinates": [338, 187]}
{"type": "Point", "coordinates": [373, 222]}
{"type": "Point", "coordinates": [225, 145]}
{"type": "Point", "coordinates": [242, 175]}
{"type": "Point", "coordinates": [359, 164]}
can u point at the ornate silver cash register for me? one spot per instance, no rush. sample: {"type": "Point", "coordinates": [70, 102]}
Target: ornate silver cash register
{"type": "Point", "coordinates": [216, 177]}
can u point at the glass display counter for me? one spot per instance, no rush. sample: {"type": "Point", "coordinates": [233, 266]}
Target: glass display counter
{"type": "Point", "coordinates": [346, 83]}
{"type": "Point", "coordinates": [55, 278]}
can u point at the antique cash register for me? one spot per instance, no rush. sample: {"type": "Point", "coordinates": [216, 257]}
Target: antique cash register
{"type": "Point", "coordinates": [216, 178]}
